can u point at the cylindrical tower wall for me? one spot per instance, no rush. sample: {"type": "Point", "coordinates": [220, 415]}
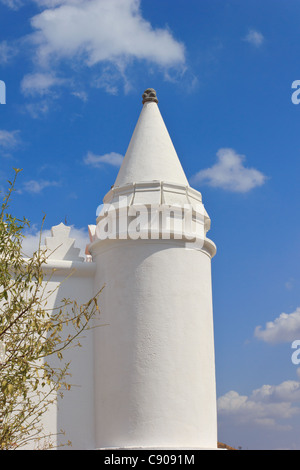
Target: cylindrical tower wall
{"type": "Point", "coordinates": [154, 358]}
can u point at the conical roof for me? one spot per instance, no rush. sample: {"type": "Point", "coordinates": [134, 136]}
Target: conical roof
{"type": "Point", "coordinates": [151, 155]}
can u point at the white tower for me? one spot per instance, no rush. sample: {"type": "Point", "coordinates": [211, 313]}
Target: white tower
{"type": "Point", "coordinates": [154, 363]}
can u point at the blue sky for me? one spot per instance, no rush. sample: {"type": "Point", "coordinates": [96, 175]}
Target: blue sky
{"type": "Point", "coordinates": [223, 70]}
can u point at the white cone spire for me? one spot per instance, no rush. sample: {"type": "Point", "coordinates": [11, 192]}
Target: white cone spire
{"type": "Point", "coordinates": [151, 155]}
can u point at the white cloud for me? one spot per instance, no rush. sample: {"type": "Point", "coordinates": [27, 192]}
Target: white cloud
{"type": "Point", "coordinates": [229, 173]}
{"type": "Point", "coordinates": [97, 161]}
{"type": "Point", "coordinates": [288, 391]}
{"type": "Point", "coordinates": [108, 80]}
{"type": "Point", "coordinates": [37, 109]}
{"type": "Point", "coordinates": [265, 407]}
{"type": "Point", "coordinates": [9, 139]}
{"type": "Point", "coordinates": [53, 3]}
{"type": "Point", "coordinates": [35, 187]}
{"type": "Point", "coordinates": [82, 95]}
{"type": "Point", "coordinates": [39, 83]}
{"type": "Point", "coordinates": [289, 284]}
{"type": "Point", "coordinates": [255, 38]}
{"type": "Point", "coordinates": [285, 328]}
{"type": "Point", "coordinates": [13, 4]}
{"type": "Point", "coordinates": [107, 36]}
{"type": "Point", "coordinates": [99, 31]}
{"type": "Point", "coordinates": [30, 243]}
{"type": "Point", "coordinates": [16, 4]}
{"type": "Point", "coordinates": [7, 52]}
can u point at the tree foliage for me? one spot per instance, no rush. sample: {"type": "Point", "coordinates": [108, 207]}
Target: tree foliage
{"type": "Point", "coordinates": [30, 335]}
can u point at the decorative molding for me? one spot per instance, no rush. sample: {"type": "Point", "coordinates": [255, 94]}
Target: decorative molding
{"type": "Point", "coordinates": [60, 246]}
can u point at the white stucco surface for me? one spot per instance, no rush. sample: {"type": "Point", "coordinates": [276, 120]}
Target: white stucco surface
{"type": "Point", "coordinates": [155, 383]}
{"type": "Point", "coordinates": [151, 154]}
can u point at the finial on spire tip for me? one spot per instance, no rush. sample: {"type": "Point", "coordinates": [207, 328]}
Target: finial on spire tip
{"type": "Point", "coordinates": [149, 95]}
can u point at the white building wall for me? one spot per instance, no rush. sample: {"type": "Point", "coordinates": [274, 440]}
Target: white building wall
{"type": "Point", "coordinates": [154, 379]}
{"type": "Point", "coordinates": [72, 279]}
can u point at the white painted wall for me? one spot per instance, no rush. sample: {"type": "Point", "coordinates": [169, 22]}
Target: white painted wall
{"type": "Point", "coordinates": [72, 279]}
{"type": "Point", "coordinates": [154, 362]}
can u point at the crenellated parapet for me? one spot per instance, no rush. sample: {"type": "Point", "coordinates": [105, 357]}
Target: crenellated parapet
{"type": "Point", "coordinates": [60, 246]}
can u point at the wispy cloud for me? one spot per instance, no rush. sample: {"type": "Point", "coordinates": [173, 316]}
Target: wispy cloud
{"type": "Point", "coordinates": [13, 4]}
{"type": "Point", "coordinates": [108, 80]}
{"type": "Point", "coordinates": [39, 83]}
{"type": "Point", "coordinates": [255, 38]}
{"type": "Point", "coordinates": [9, 139]}
{"type": "Point", "coordinates": [37, 109]}
{"type": "Point", "coordinates": [7, 52]}
{"type": "Point", "coordinates": [97, 161]}
{"type": "Point", "coordinates": [82, 95]}
{"type": "Point", "coordinates": [290, 283]}
{"type": "Point", "coordinates": [36, 187]}
{"type": "Point", "coordinates": [229, 173]}
{"type": "Point", "coordinates": [285, 328]}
